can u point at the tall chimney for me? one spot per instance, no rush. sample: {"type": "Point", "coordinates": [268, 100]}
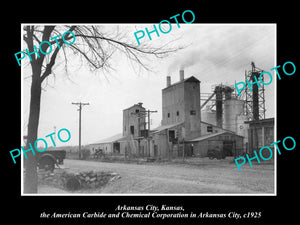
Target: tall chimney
{"type": "Point", "coordinates": [168, 81]}
{"type": "Point", "coordinates": [181, 74]}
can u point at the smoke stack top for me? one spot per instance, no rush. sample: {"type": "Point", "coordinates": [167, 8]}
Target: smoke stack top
{"type": "Point", "coordinates": [168, 81]}
{"type": "Point", "coordinates": [181, 74]}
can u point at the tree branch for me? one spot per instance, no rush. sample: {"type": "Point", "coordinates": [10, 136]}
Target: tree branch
{"type": "Point", "coordinates": [148, 51]}
{"type": "Point", "coordinates": [85, 56]}
{"type": "Point", "coordinates": [49, 66]}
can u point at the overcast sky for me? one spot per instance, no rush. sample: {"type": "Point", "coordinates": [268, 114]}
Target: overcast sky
{"type": "Point", "coordinates": [214, 54]}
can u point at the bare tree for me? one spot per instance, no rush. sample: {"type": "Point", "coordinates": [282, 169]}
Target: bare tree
{"type": "Point", "coordinates": [94, 46]}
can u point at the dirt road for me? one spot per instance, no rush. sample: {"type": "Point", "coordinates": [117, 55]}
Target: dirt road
{"type": "Point", "coordinates": [202, 176]}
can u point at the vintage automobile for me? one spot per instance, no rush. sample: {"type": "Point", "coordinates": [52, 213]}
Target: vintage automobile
{"type": "Point", "coordinates": [48, 159]}
{"type": "Point", "coordinates": [98, 154]}
{"type": "Point", "coordinates": [216, 153]}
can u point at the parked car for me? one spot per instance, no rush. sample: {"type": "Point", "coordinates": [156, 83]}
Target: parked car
{"type": "Point", "coordinates": [216, 154]}
{"type": "Point", "coordinates": [48, 159]}
{"type": "Point", "coordinates": [98, 154]}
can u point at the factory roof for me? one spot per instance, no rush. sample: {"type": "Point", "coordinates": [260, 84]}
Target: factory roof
{"type": "Point", "coordinates": [117, 137]}
{"type": "Point", "coordinates": [210, 124]}
{"type": "Point", "coordinates": [268, 120]}
{"type": "Point", "coordinates": [202, 138]}
{"type": "Point", "coordinates": [160, 128]}
{"type": "Point", "coordinates": [140, 105]}
{"type": "Point", "coordinates": [189, 79]}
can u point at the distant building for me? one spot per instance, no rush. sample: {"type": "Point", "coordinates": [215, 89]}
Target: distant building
{"type": "Point", "coordinates": [108, 146]}
{"type": "Point", "coordinates": [260, 134]}
{"type": "Point", "coordinates": [132, 141]}
{"type": "Point", "coordinates": [134, 122]}
{"type": "Point", "coordinates": [134, 130]}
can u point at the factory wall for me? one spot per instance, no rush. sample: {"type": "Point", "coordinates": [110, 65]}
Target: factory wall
{"type": "Point", "coordinates": [207, 128]}
{"type": "Point", "coordinates": [165, 145]}
{"type": "Point", "coordinates": [201, 147]}
{"type": "Point", "coordinates": [209, 116]}
{"type": "Point", "coordinates": [181, 103]}
{"type": "Point", "coordinates": [129, 148]}
{"type": "Point", "coordinates": [192, 109]}
{"type": "Point", "coordinates": [107, 148]}
{"type": "Point", "coordinates": [261, 133]}
{"type": "Point", "coordinates": [132, 121]}
{"type": "Point", "coordinates": [173, 104]}
{"type": "Point", "coordinates": [160, 145]}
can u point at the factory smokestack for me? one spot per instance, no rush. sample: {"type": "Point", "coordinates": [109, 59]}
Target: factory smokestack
{"type": "Point", "coordinates": [181, 74]}
{"type": "Point", "coordinates": [168, 81]}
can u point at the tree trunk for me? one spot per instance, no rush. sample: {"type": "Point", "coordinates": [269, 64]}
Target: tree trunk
{"type": "Point", "coordinates": [30, 182]}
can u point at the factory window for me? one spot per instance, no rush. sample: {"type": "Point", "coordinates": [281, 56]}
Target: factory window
{"type": "Point", "coordinates": [168, 115]}
{"type": "Point", "coordinates": [137, 111]}
{"type": "Point", "coordinates": [177, 113]}
{"type": "Point", "coordinates": [132, 129]}
{"type": "Point", "coordinates": [193, 112]}
{"type": "Point", "coordinates": [209, 129]}
{"type": "Point", "coordinates": [144, 133]}
{"type": "Point", "coordinates": [172, 136]}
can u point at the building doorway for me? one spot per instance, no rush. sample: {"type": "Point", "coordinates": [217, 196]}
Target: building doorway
{"type": "Point", "coordinates": [155, 150]}
{"type": "Point", "coordinates": [229, 148]}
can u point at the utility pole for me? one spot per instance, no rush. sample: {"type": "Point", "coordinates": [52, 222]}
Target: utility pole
{"type": "Point", "coordinates": [148, 115]}
{"type": "Point", "coordinates": [80, 104]}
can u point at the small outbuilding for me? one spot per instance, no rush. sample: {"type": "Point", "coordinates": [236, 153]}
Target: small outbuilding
{"type": "Point", "coordinates": [108, 145]}
{"type": "Point", "coordinates": [260, 134]}
{"type": "Point", "coordinates": [228, 142]}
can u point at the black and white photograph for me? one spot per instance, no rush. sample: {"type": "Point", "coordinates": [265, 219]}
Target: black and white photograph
{"type": "Point", "coordinates": [131, 114]}
{"type": "Point", "coordinates": [173, 109]}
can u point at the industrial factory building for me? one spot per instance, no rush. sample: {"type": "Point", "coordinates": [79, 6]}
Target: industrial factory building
{"type": "Point", "coordinates": [132, 141]}
{"type": "Point", "coordinates": [183, 133]}
{"type": "Point", "coordinates": [191, 127]}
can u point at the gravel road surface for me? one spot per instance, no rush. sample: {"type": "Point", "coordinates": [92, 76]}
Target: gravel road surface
{"type": "Point", "coordinates": [199, 176]}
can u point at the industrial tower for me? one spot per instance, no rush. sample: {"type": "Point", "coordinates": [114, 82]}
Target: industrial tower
{"type": "Point", "coordinates": [255, 108]}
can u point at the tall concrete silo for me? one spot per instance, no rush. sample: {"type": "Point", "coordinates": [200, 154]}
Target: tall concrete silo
{"type": "Point", "coordinates": [233, 114]}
